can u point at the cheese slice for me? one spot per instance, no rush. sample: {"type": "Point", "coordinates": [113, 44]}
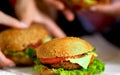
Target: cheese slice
{"type": "Point", "coordinates": [84, 61]}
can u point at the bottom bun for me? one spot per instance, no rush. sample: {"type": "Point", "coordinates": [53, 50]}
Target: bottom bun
{"type": "Point", "coordinates": [22, 61]}
{"type": "Point", "coordinates": [47, 71]}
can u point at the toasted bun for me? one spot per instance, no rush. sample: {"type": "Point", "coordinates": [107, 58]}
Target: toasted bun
{"type": "Point", "coordinates": [61, 47]}
{"type": "Point", "coordinates": [22, 61]}
{"type": "Point", "coordinates": [18, 39]}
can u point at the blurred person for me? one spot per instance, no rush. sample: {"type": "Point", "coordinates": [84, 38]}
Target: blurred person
{"type": "Point", "coordinates": [24, 14]}
{"type": "Point", "coordinates": [100, 18]}
{"type": "Point", "coordinates": [111, 34]}
{"type": "Point", "coordinates": [80, 23]}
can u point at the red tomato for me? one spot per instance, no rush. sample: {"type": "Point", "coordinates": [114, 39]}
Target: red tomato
{"type": "Point", "coordinates": [37, 44]}
{"type": "Point", "coordinates": [57, 59]}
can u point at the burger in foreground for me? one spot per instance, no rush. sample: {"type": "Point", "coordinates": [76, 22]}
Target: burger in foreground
{"type": "Point", "coordinates": [68, 56]}
{"type": "Point", "coordinates": [20, 44]}
{"type": "Point", "coordinates": [78, 4]}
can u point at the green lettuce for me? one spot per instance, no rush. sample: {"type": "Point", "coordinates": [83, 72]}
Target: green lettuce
{"type": "Point", "coordinates": [28, 52]}
{"type": "Point", "coordinates": [13, 53]}
{"type": "Point", "coordinates": [95, 68]}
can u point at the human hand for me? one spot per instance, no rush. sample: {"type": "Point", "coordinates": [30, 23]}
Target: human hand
{"type": "Point", "coordinates": [111, 9]}
{"type": "Point", "coordinates": [27, 12]}
{"type": "Point", "coordinates": [77, 6]}
{"type": "Point", "coordinates": [5, 62]}
{"type": "Point", "coordinates": [10, 21]}
{"type": "Point", "coordinates": [60, 6]}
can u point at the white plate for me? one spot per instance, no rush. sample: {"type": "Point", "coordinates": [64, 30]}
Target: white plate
{"type": "Point", "coordinates": [106, 52]}
{"type": "Point", "coordinates": [2, 72]}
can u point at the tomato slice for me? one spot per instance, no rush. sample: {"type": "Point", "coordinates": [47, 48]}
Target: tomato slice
{"type": "Point", "coordinates": [37, 44]}
{"type": "Point", "coordinates": [52, 60]}
{"type": "Point", "coordinates": [58, 59]}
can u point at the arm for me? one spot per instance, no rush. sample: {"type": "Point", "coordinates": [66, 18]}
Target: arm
{"type": "Point", "coordinates": [27, 12]}
{"type": "Point", "coordinates": [111, 9]}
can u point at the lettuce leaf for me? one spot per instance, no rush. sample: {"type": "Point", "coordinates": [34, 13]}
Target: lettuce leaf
{"type": "Point", "coordinates": [38, 67]}
{"type": "Point", "coordinates": [13, 53]}
{"type": "Point", "coordinates": [28, 52]}
{"type": "Point", "coordinates": [95, 68]}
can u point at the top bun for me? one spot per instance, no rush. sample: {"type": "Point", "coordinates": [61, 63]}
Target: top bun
{"type": "Point", "coordinates": [19, 39]}
{"type": "Point", "coordinates": [62, 47]}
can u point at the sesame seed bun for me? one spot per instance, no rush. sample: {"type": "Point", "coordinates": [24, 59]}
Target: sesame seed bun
{"type": "Point", "coordinates": [19, 39]}
{"type": "Point", "coordinates": [61, 47]}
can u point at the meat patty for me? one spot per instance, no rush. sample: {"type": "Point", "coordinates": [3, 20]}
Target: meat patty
{"type": "Point", "coordinates": [66, 65]}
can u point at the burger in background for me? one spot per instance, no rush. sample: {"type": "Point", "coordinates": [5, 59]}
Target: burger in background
{"type": "Point", "coordinates": [20, 44]}
{"type": "Point", "coordinates": [68, 56]}
{"type": "Point", "coordinates": [79, 4]}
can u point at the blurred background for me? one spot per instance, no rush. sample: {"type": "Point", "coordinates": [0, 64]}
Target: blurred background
{"type": "Point", "coordinates": [100, 29]}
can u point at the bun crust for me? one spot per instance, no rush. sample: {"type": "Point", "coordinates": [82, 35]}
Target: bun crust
{"type": "Point", "coordinates": [18, 39]}
{"type": "Point", "coordinates": [61, 47]}
{"type": "Point", "coordinates": [22, 61]}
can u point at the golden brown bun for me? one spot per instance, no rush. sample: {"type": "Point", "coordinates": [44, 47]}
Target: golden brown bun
{"type": "Point", "coordinates": [61, 47]}
{"type": "Point", "coordinates": [46, 71]}
{"type": "Point", "coordinates": [22, 61]}
{"type": "Point", "coordinates": [18, 39]}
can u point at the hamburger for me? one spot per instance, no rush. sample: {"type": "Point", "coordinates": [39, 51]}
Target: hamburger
{"type": "Point", "coordinates": [78, 4]}
{"type": "Point", "coordinates": [20, 44]}
{"type": "Point", "coordinates": [68, 56]}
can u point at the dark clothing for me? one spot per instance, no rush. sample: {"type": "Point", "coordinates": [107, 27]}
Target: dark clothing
{"type": "Point", "coordinates": [73, 28]}
{"type": "Point", "coordinates": [113, 35]}
{"type": "Point", "coordinates": [6, 7]}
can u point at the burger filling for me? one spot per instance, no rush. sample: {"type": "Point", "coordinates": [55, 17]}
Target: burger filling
{"type": "Point", "coordinates": [75, 61]}
{"type": "Point", "coordinates": [24, 57]}
{"type": "Point", "coordinates": [75, 65]}
{"type": "Point", "coordinates": [27, 52]}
